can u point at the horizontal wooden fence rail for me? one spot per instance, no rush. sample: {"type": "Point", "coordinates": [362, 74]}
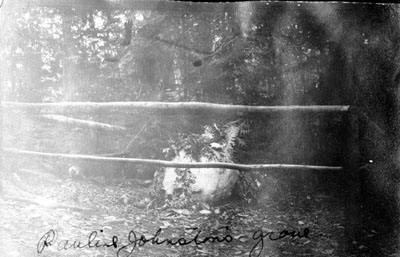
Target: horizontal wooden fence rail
{"type": "Point", "coordinates": [167, 107]}
{"type": "Point", "coordinates": [163, 163]}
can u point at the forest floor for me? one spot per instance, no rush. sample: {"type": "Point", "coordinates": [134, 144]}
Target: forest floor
{"type": "Point", "coordinates": [118, 209]}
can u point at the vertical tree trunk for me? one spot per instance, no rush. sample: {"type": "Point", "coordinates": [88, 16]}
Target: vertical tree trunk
{"type": "Point", "coordinates": [351, 159]}
{"type": "Point", "coordinates": [67, 63]}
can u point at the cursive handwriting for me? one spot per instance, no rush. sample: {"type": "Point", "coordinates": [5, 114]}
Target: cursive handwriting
{"type": "Point", "coordinates": [259, 236]}
{"type": "Point", "coordinates": [50, 239]}
{"type": "Point", "coordinates": [134, 241]}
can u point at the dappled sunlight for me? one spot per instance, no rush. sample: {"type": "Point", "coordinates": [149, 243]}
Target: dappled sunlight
{"type": "Point", "coordinates": [135, 128]}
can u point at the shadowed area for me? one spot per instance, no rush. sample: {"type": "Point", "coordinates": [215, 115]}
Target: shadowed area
{"type": "Point", "coordinates": [114, 112]}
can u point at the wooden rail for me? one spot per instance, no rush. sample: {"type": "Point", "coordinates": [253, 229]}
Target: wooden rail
{"type": "Point", "coordinates": [168, 106]}
{"type": "Point", "coordinates": [170, 163]}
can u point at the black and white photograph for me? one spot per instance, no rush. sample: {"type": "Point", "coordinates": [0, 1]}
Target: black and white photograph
{"type": "Point", "coordinates": [176, 128]}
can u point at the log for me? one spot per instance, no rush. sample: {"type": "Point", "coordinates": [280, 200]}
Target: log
{"type": "Point", "coordinates": [174, 107]}
{"type": "Point", "coordinates": [163, 163]}
{"type": "Point", "coordinates": [84, 123]}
